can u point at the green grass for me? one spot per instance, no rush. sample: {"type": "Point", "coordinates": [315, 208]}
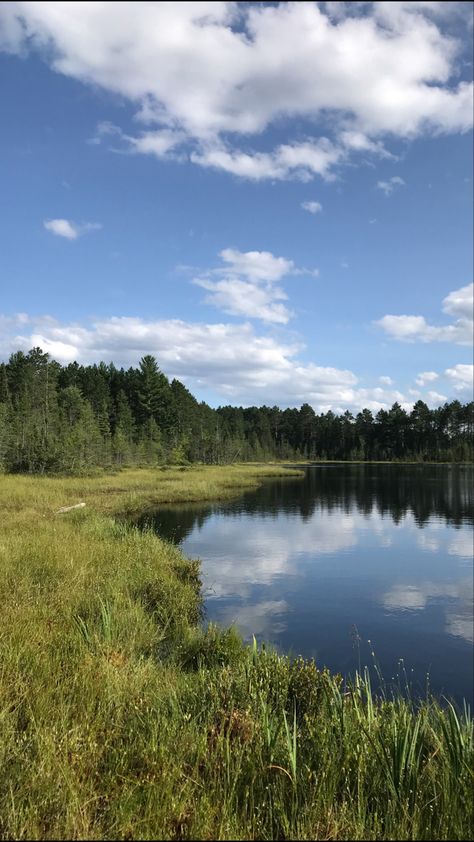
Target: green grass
{"type": "Point", "coordinates": [122, 717]}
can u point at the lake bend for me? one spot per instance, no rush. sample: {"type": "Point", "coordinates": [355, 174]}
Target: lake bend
{"type": "Point", "coordinates": [351, 564]}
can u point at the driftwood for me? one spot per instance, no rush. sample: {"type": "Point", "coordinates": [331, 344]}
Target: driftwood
{"type": "Point", "coordinates": [68, 508]}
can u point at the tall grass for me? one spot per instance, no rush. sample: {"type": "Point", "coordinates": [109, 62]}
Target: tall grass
{"type": "Point", "coordinates": [122, 717]}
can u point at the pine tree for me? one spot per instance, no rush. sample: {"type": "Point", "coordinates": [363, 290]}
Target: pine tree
{"type": "Point", "coordinates": [154, 393]}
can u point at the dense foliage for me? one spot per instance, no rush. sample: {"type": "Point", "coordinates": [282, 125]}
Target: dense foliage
{"type": "Point", "coordinates": [73, 418]}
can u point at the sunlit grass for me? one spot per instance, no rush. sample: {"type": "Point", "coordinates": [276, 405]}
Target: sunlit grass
{"type": "Point", "coordinates": [121, 717]}
{"type": "Point", "coordinates": [28, 496]}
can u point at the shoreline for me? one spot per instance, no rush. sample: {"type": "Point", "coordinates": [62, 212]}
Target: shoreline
{"type": "Point", "coordinates": [123, 718]}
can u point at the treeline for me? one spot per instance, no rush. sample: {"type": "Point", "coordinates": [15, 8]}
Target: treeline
{"type": "Point", "coordinates": [74, 418]}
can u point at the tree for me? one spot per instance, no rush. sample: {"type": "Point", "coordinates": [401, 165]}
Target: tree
{"type": "Point", "coordinates": [421, 429]}
{"type": "Point", "coordinates": [76, 417]}
{"type": "Point", "coordinates": [364, 428]}
{"type": "Point", "coordinates": [154, 393]}
{"type": "Point", "coordinates": [307, 430]}
{"type": "Point", "coordinates": [80, 440]}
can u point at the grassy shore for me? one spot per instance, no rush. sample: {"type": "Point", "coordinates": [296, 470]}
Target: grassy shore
{"type": "Point", "coordinates": [121, 717]}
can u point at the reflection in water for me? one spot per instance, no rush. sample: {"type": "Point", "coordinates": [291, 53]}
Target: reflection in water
{"type": "Point", "coordinates": [383, 549]}
{"type": "Point", "coordinates": [456, 599]}
{"type": "Point", "coordinates": [262, 618]}
{"type": "Point", "coordinates": [462, 545]}
{"type": "Point", "coordinates": [398, 491]}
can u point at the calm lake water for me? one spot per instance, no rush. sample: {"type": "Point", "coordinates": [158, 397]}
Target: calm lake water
{"type": "Point", "coordinates": [349, 554]}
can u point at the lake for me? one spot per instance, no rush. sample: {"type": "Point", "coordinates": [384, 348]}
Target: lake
{"type": "Point", "coordinates": [347, 555]}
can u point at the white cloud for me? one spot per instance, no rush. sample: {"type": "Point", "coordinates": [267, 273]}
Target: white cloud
{"type": "Point", "coordinates": [7, 323]}
{"type": "Point", "coordinates": [417, 329]}
{"type": "Point", "coordinates": [389, 186]}
{"type": "Point", "coordinates": [312, 207]}
{"type": "Point", "coordinates": [425, 377]}
{"type": "Point", "coordinates": [160, 143]}
{"type": "Point", "coordinates": [241, 298]}
{"type": "Point", "coordinates": [255, 265]}
{"type": "Point", "coordinates": [62, 228]}
{"type": "Point", "coordinates": [461, 376]}
{"type": "Point", "coordinates": [301, 161]}
{"type": "Point", "coordinates": [378, 398]}
{"type": "Point", "coordinates": [246, 284]}
{"type": "Point", "coordinates": [232, 360]}
{"type": "Point", "coordinates": [387, 381]}
{"type": "Point", "coordinates": [69, 230]}
{"type": "Point", "coordinates": [435, 398]}
{"type": "Point", "coordinates": [255, 166]}
{"type": "Point", "coordinates": [359, 142]}
{"type": "Point", "coordinates": [198, 72]}
{"type": "Point", "coordinates": [460, 303]}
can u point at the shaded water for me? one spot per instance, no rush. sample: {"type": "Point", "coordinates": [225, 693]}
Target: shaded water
{"type": "Point", "coordinates": [349, 554]}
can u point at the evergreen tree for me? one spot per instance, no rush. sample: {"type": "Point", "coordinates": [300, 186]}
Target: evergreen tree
{"type": "Point", "coordinates": [154, 393]}
{"type": "Point", "coordinates": [75, 418]}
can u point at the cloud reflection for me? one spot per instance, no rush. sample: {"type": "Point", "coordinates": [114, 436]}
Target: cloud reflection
{"type": "Point", "coordinates": [253, 552]}
{"type": "Point", "coordinates": [462, 544]}
{"type": "Point", "coordinates": [264, 618]}
{"type": "Point", "coordinates": [456, 602]}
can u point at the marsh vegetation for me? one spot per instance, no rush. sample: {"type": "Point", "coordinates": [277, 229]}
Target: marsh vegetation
{"type": "Point", "coordinates": [124, 717]}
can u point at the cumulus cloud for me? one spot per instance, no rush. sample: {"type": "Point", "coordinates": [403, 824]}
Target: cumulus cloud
{"type": "Point", "coordinates": [240, 298]}
{"type": "Point", "coordinates": [255, 265]}
{"type": "Point", "coordinates": [231, 360]}
{"type": "Point", "coordinates": [389, 186]}
{"type": "Point", "coordinates": [461, 376]}
{"type": "Point", "coordinates": [246, 284]}
{"type": "Point", "coordinates": [416, 329]}
{"type": "Point", "coordinates": [69, 230]}
{"type": "Point", "coordinates": [312, 207]}
{"type": "Point", "coordinates": [425, 377]}
{"type": "Point", "coordinates": [301, 161]}
{"type": "Point", "coordinates": [387, 381]}
{"type": "Point", "coordinates": [460, 303]}
{"type": "Point", "coordinates": [435, 398]}
{"type": "Point", "coordinates": [200, 73]}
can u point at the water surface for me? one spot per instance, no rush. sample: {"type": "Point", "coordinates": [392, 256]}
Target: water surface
{"type": "Point", "coordinates": [349, 554]}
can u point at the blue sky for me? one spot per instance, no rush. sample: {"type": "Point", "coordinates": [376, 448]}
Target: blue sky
{"type": "Point", "coordinates": [273, 199]}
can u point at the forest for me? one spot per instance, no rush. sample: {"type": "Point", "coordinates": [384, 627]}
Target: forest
{"type": "Point", "coordinates": [75, 418]}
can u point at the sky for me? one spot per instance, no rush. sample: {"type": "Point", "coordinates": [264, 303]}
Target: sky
{"type": "Point", "coordinates": [273, 199]}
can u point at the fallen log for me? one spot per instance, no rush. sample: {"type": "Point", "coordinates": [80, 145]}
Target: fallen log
{"type": "Point", "coordinates": [68, 508]}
